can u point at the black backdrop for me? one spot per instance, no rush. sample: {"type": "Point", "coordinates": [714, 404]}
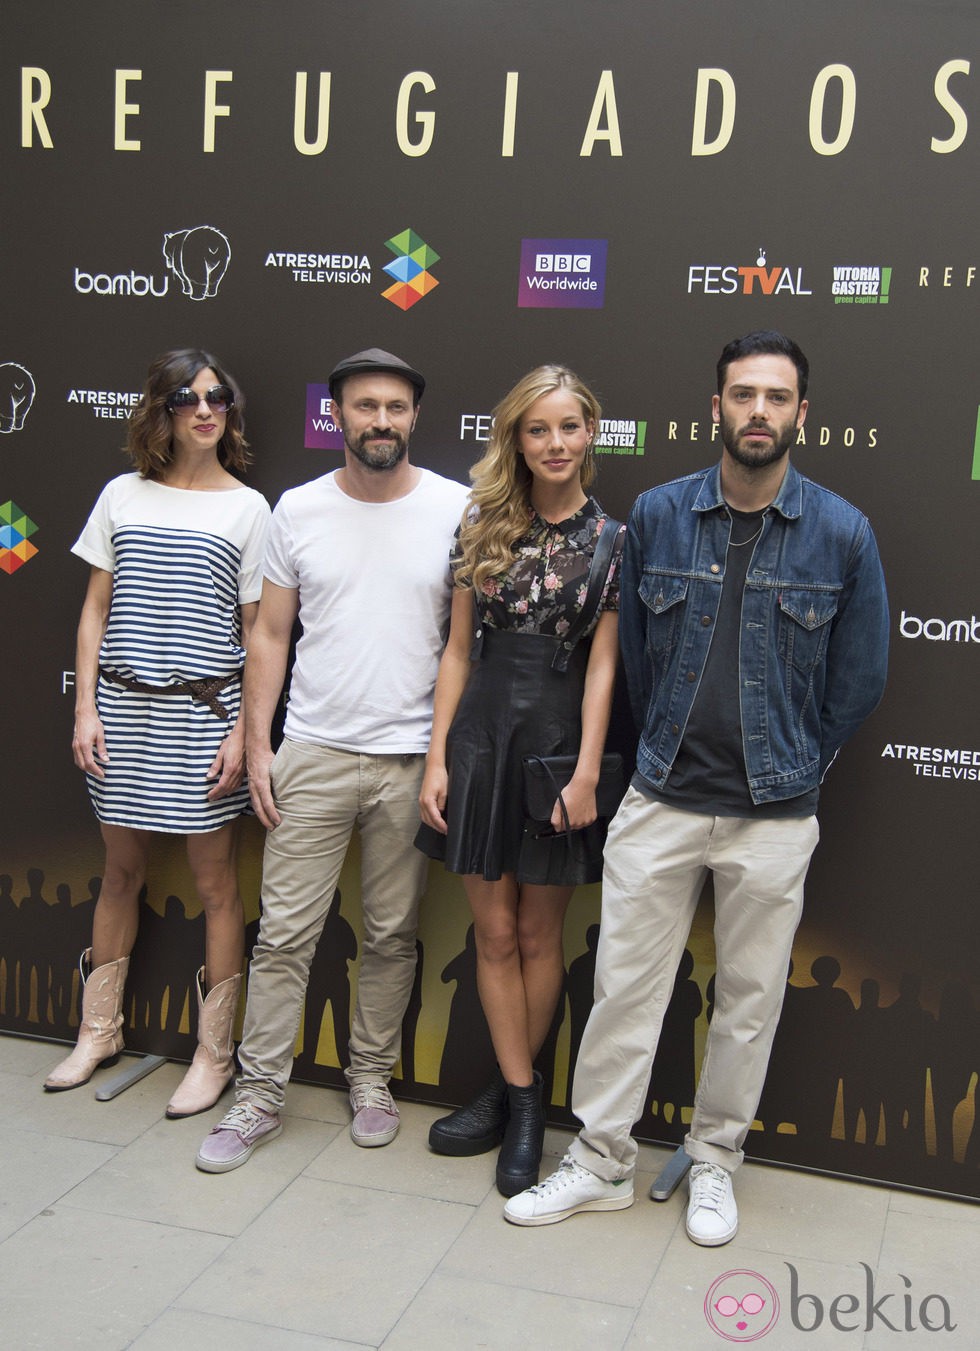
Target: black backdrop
{"type": "Point", "coordinates": [685, 172]}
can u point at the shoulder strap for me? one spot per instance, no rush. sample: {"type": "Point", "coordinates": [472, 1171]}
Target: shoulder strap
{"type": "Point", "coordinates": [598, 573]}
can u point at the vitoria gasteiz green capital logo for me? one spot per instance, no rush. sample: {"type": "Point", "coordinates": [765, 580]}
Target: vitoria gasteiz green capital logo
{"type": "Point", "coordinates": [410, 269]}
{"type": "Point", "coordinates": [16, 527]}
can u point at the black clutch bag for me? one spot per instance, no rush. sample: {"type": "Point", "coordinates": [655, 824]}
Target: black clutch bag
{"type": "Point", "coordinates": [546, 775]}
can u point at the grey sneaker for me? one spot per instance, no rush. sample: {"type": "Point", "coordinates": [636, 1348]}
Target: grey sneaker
{"type": "Point", "coordinates": [230, 1143]}
{"type": "Point", "coordinates": [376, 1118]}
{"type": "Point", "coordinates": [712, 1215]}
{"type": "Point", "coordinates": [570, 1189]}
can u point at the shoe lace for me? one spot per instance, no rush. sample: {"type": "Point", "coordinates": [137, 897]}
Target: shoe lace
{"type": "Point", "coordinates": [709, 1186]}
{"type": "Point", "coordinates": [242, 1117]}
{"type": "Point", "coordinates": [567, 1172]}
{"type": "Point", "coordinates": [371, 1095]}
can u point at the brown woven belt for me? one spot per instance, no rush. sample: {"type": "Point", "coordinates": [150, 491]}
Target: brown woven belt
{"type": "Point", "coordinates": [201, 691]}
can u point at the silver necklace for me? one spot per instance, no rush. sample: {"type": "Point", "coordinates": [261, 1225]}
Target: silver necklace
{"type": "Point", "coordinates": [742, 543]}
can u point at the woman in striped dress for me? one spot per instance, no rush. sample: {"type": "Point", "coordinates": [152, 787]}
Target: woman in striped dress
{"type": "Point", "coordinates": [176, 554]}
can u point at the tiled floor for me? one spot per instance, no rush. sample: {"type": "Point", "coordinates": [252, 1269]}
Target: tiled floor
{"type": "Point", "coordinates": [109, 1237]}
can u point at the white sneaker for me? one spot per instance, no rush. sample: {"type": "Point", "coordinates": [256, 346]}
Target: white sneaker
{"type": "Point", "coordinates": [568, 1190]}
{"type": "Point", "coordinates": [712, 1215]}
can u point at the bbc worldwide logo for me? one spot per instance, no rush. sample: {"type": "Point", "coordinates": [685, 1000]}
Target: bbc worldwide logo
{"type": "Point", "coordinates": [562, 274]}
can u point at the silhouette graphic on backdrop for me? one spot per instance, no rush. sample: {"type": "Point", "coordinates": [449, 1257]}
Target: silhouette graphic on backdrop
{"type": "Point", "coordinates": [906, 1043]}
{"type": "Point", "coordinates": [467, 1053]}
{"type": "Point", "coordinates": [329, 983]}
{"type": "Point", "coordinates": [861, 1062]}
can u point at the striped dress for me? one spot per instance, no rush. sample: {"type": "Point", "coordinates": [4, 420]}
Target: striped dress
{"type": "Point", "coordinates": [182, 563]}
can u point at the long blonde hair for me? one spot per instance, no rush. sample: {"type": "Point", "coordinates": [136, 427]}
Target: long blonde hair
{"type": "Point", "coordinates": [500, 511]}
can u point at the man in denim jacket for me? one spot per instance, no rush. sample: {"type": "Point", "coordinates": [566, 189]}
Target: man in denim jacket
{"type": "Point", "coordinates": [754, 628]}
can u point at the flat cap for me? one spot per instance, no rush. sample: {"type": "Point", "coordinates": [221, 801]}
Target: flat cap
{"type": "Point", "coordinates": [374, 359]}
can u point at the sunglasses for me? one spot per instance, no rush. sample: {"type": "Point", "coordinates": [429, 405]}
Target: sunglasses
{"type": "Point", "coordinates": [219, 398]}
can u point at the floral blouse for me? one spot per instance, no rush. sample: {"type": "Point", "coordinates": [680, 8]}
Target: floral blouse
{"type": "Point", "coordinates": [546, 584]}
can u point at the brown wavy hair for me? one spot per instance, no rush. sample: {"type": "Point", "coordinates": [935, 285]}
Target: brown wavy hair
{"type": "Point", "coordinates": [149, 436]}
{"type": "Point", "coordinates": [500, 510]}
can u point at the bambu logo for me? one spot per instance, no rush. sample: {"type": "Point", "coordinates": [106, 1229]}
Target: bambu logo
{"type": "Point", "coordinates": [861, 285]}
{"type": "Point", "coordinates": [410, 269]}
{"type": "Point", "coordinates": [17, 391]}
{"type": "Point", "coordinates": [562, 274]}
{"type": "Point", "coordinates": [940, 630]}
{"type": "Point", "coordinates": [198, 258]}
{"type": "Point", "coordinates": [16, 528]}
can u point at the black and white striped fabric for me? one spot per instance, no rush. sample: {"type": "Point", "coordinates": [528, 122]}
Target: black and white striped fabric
{"type": "Point", "coordinates": [182, 563]}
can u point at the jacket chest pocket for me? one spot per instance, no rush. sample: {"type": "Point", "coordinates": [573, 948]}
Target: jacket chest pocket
{"type": "Point", "coordinates": [664, 599]}
{"type": "Point", "coordinates": [804, 625]}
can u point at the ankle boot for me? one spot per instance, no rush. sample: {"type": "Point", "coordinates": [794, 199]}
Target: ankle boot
{"type": "Point", "coordinates": [520, 1153]}
{"type": "Point", "coordinates": [475, 1128]}
{"type": "Point", "coordinates": [99, 1032]}
{"type": "Point", "coordinates": [211, 1070]}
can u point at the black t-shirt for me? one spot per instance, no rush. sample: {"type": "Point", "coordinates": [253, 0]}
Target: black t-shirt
{"type": "Point", "coordinates": [708, 774]}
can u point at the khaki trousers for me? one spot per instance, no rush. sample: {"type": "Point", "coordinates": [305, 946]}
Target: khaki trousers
{"type": "Point", "coordinates": [656, 861]}
{"type": "Point", "coordinates": [322, 794]}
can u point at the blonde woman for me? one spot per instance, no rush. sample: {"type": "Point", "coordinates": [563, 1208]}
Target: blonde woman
{"type": "Point", "coordinates": [521, 569]}
{"type": "Point", "coordinates": [175, 551]}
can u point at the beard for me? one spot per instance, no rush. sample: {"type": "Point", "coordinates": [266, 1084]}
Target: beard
{"type": "Point", "coordinates": [374, 454]}
{"type": "Point", "coordinates": [755, 457]}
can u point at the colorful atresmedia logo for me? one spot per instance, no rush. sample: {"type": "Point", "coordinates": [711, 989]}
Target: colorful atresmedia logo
{"type": "Point", "coordinates": [106, 403]}
{"type": "Point", "coordinates": [762, 279]}
{"type": "Point", "coordinates": [861, 285]}
{"type": "Point", "coordinates": [331, 269]}
{"type": "Point", "coordinates": [17, 390]}
{"type": "Point", "coordinates": [16, 528]}
{"type": "Point", "coordinates": [562, 274]}
{"type": "Point", "coordinates": [936, 762]}
{"type": "Point", "coordinates": [410, 269]}
{"type": "Point", "coordinates": [322, 433]}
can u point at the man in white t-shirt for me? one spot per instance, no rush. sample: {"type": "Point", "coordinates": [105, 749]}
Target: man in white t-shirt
{"type": "Point", "coordinates": [361, 557]}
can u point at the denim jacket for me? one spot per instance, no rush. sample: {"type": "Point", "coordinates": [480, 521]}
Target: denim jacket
{"type": "Point", "coordinates": [814, 633]}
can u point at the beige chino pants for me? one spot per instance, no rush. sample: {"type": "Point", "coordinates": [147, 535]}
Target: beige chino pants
{"type": "Point", "coordinates": [322, 795]}
{"type": "Point", "coordinates": [656, 861]}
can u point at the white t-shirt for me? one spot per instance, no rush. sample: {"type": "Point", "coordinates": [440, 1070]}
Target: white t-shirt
{"type": "Point", "coordinates": [374, 596]}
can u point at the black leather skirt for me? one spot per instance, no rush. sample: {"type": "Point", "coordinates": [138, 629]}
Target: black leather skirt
{"type": "Point", "coordinates": [514, 705]}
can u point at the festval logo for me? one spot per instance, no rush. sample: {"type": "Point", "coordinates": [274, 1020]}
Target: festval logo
{"type": "Point", "coordinates": [741, 1306]}
{"type": "Point", "coordinates": [322, 433]}
{"type": "Point", "coordinates": [410, 269]}
{"type": "Point", "coordinates": [16, 527]}
{"type": "Point", "coordinates": [16, 395]}
{"type": "Point", "coordinates": [562, 274]}
{"type": "Point", "coordinates": [198, 258]}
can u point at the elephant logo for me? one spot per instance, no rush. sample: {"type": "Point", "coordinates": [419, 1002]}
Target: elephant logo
{"type": "Point", "coordinates": [17, 391]}
{"type": "Point", "coordinates": [198, 258]}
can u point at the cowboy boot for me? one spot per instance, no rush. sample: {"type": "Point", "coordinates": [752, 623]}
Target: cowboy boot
{"type": "Point", "coordinates": [211, 1070]}
{"type": "Point", "coordinates": [99, 1032]}
{"type": "Point", "coordinates": [475, 1128]}
{"type": "Point", "coordinates": [520, 1154]}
